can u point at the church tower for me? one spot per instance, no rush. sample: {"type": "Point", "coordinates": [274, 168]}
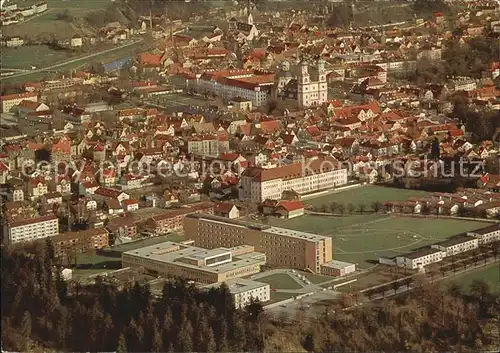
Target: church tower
{"type": "Point", "coordinates": [303, 85]}
{"type": "Point", "coordinates": [322, 84]}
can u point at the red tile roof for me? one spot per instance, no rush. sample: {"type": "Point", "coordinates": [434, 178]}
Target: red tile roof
{"type": "Point", "coordinates": [290, 206]}
{"type": "Point", "coordinates": [17, 96]}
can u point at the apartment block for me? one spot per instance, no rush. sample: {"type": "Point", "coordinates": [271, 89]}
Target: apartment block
{"type": "Point", "coordinates": [194, 263]}
{"type": "Point", "coordinates": [80, 242]}
{"type": "Point", "coordinates": [420, 258]}
{"type": "Point", "coordinates": [458, 244]}
{"type": "Point", "coordinates": [244, 290]}
{"type": "Point", "coordinates": [12, 100]}
{"type": "Point", "coordinates": [283, 247]}
{"type": "Point", "coordinates": [486, 235]}
{"type": "Point", "coordinates": [204, 145]}
{"type": "Point", "coordinates": [31, 229]}
{"type": "Point", "coordinates": [259, 184]}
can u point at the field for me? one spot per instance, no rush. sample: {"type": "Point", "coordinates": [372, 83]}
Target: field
{"type": "Point", "coordinates": [363, 238]}
{"type": "Point", "coordinates": [24, 61]}
{"type": "Point", "coordinates": [490, 275]}
{"type": "Point", "coordinates": [366, 195]}
{"type": "Point", "coordinates": [37, 55]}
{"type": "Point", "coordinates": [280, 281]}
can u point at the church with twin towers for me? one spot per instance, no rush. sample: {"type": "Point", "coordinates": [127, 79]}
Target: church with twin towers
{"type": "Point", "coordinates": [304, 82]}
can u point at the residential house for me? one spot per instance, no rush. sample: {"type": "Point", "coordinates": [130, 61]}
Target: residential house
{"type": "Point", "coordinates": [289, 209]}
{"type": "Point", "coordinates": [228, 210]}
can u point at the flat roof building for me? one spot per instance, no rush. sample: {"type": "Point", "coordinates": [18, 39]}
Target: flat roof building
{"type": "Point", "coordinates": [31, 229]}
{"type": "Point", "coordinates": [457, 244]}
{"type": "Point", "coordinates": [244, 290]}
{"type": "Point", "coordinates": [420, 258]}
{"type": "Point", "coordinates": [283, 247]}
{"type": "Point", "coordinates": [487, 234]}
{"type": "Point", "coordinates": [195, 263]}
{"type": "Point", "coordinates": [337, 268]}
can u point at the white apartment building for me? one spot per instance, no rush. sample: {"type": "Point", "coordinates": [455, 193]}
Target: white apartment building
{"type": "Point", "coordinates": [12, 100]}
{"type": "Point", "coordinates": [237, 84]}
{"type": "Point", "coordinates": [259, 184]}
{"type": "Point", "coordinates": [203, 145]}
{"type": "Point", "coordinates": [38, 189]}
{"type": "Point", "coordinates": [486, 235]}
{"type": "Point", "coordinates": [458, 244]}
{"type": "Point", "coordinates": [13, 42]}
{"type": "Point", "coordinates": [244, 290]}
{"type": "Point", "coordinates": [31, 229]}
{"type": "Point", "coordinates": [420, 258]}
{"type": "Point", "coordinates": [463, 84]}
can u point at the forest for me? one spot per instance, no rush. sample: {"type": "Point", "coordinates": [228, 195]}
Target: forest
{"type": "Point", "coordinates": [42, 312]}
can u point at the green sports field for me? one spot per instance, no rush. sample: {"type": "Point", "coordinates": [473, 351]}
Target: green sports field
{"type": "Point", "coordinates": [362, 239]}
{"type": "Point", "coordinates": [366, 195]}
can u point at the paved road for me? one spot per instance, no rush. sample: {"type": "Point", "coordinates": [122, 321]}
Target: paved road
{"type": "Point", "coordinates": [82, 58]}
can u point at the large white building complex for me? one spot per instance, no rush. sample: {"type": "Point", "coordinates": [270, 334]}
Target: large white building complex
{"type": "Point", "coordinates": [244, 290]}
{"type": "Point", "coordinates": [283, 247]}
{"type": "Point", "coordinates": [195, 263]}
{"type": "Point", "coordinates": [31, 229]}
{"type": "Point", "coordinates": [259, 184]}
{"type": "Point", "coordinates": [239, 83]}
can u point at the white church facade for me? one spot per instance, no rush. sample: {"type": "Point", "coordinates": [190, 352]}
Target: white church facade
{"type": "Point", "coordinates": [308, 86]}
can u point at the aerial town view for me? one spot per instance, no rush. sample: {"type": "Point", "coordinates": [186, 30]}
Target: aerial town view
{"type": "Point", "coordinates": [250, 175]}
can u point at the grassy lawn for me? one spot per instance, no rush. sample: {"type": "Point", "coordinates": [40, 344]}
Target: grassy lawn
{"type": "Point", "coordinates": [279, 296]}
{"type": "Point", "coordinates": [315, 278]}
{"type": "Point", "coordinates": [366, 195]}
{"type": "Point", "coordinates": [37, 55]}
{"type": "Point", "coordinates": [106, 57]}
{"type": "Point", "coordinates": [362, 239]}
{"type": "Point", "coordinates": [70, 4]}
{"type": "Point", "coordinates": [97, 261]}
{"type": "Point", "coordinates": [490, 275]}
{"type": "Point", "coordinates": [365, 280]}
{"type": "Point", "coordinates": [280, 281]}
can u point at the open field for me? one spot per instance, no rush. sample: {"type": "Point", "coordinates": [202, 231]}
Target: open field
{"type": "Point", "coordinates": [362, 239]}
{"type": "Point", "coordinates": [49, 24]}
{"type": "Point", "coordinates": [278, 297]}
{"type": "Point", "coordinates": [76, 63]}
{"type": "Point", "coordinates": [315, 278]}
{"type": "Point", "coordinates": [36, 55]}
{"type": "Point", "coordinates": [490, 274]}
{"type": "Point", "coordinates": [366, 195]}
{"type": "Point", "coordinates": [280, 281]}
